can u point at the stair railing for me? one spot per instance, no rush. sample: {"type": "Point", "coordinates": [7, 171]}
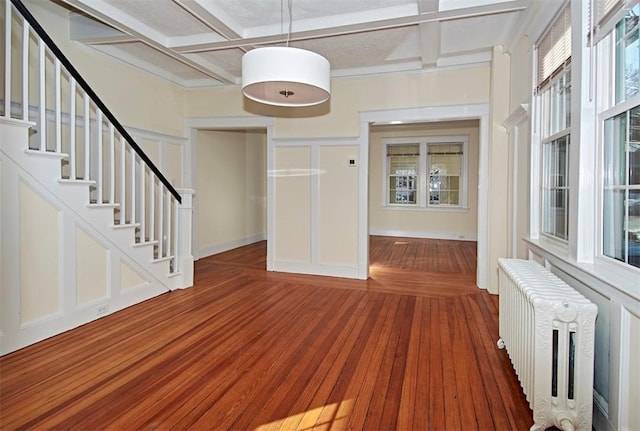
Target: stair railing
{"type": "Point", "coordinates": [42, 86]}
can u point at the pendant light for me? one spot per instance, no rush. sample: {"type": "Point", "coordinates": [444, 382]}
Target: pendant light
{"type": "Point", "coordinates": [285, 76]}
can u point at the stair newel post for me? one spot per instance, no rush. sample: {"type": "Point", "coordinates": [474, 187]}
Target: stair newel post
{"type": "Point", "coordinates": [176, 235]}
{"type": "Point", "coordinates": [184, 258]}
{"type": "Point", "coordinates": [7, 59]}
{"type": "Point", "coordinates": [25, 70]}
{"type": "Point", "coordinates": [123, 182]}
{"type": "Point", "coordinates": [72, 128]}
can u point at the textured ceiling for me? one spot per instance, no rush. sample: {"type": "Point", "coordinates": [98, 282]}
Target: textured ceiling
{"type": "Point", "coordinates": [201, 42]}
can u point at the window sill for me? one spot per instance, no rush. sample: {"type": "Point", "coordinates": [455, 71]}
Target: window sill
{"type": "Point", "coordinates": [428, 209]}
{"type": "Point", "coordinates": [602, 272]}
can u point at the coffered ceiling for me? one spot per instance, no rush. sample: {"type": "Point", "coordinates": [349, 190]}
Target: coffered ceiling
{"type": "Point", "coordinates": [201, 42]}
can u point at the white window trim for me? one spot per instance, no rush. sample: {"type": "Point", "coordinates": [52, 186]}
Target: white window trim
{"type": "Point", "coordinates": [423, 195]}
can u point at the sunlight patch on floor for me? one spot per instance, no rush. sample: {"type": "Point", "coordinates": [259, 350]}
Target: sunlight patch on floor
{"type": "Point", "coordinates": [332, 416]}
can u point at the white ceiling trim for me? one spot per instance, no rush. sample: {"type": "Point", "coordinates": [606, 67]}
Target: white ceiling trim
{"type": "Point", "coordinates": [491, 9]}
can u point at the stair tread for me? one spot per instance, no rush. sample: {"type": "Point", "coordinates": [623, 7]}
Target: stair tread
{"type": "Point", "coordinates": [143, 243]}
{"type": "Point", "coordinates": [103, 205]}
{"type": "Point", "coordinates": [124, 225]}
{"type": "Point", "coordinates": [161, 259]}
{"type": "Point", "coordinates": [46, 153]}
{"type": "Point", "coordinates": [76, 181]}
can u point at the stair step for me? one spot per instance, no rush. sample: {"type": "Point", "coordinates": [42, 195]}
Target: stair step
{"type": "Point", "coordinates": [76, 181]}
{"type": "Point", "coordinates": [174, 274]}
{"type": "Point", "coordinates": [52, 154]}
{"type": "Point", "coordinates": [97, 205]}
{"type": "Point", "coordinates": [144, 243]}
{"type": "Point", "coordinates": [161, 259]}
{"type": "Point", "coordinates": [125, 225]}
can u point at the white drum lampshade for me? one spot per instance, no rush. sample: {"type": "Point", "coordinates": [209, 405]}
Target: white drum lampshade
{"type": "Point", "coordinates": [285, 76]}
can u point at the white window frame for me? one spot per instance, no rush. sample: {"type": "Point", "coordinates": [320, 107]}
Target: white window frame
{"type": "Point", "coordinates": [422, 201]}
{"type": "Point", "coordinates": [608, 109]}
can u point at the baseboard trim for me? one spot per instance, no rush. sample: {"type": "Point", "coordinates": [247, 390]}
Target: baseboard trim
{"type": "Point", "coordinates": [315, 269]}
{"type": "Point", "coordinates": [457, 236]}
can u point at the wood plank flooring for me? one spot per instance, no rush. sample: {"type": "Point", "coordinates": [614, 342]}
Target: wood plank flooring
{"type": "Point", "coordinates": [412, 348]}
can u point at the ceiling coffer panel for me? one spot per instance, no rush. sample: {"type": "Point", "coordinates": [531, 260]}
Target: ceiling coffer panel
{"type": "Point", "coordinates": [228, 59]}
{"type": "Point", "coordinates": [164, 16]}
{"type": "Point", "coordinates": [143, 52]}
{"type": "Point", "coordinates": [257, 13]}
{"type": "Point", "coordinates": [366, 49]}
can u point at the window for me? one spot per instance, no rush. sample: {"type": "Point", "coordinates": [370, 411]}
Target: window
{"type": "Point", "coordinates": [403, 173]}
{"type": "Point", "coordinates": [555, 189]}
{"type": "Point", "coordinates": [427, 172]}
{"type": "Point", "coordinates": [621, 146]}
{"type": "Point", "coordinates": [445, 167]}
{"type": "Point", "coordinates": [554, 93]}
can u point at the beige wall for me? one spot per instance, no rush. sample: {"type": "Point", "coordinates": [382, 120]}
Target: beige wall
{"type": "Point", "coordinates": [231, 190]}
{"type": "Point", "coordinates": [136, 98]}
{"type": "Point", "coordinates": [438, 224]}
{"type": "Point", "coordinates": [349, 97]}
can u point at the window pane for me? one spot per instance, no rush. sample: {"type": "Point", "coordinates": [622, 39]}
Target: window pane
{"type": "Point", "coordinates": [613, 226]}
{"type": "Point", "coordinates": [633, 232]}
{"type": "Point", "coordinates": [634, 146]}
{"type": "Point", "coordinates": [444, 173]}
{"type": "Point", "coordinates": [555, 191]}
{"type": "Point", "coordinates": [615, 131]}
{"type": "Point", "coordinates": [403, 173]}
{"type": "Point", "coordinates": [628, 58]}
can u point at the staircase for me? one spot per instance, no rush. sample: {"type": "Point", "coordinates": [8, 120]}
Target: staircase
{"type": "Point", "coordinates": [89, 223]}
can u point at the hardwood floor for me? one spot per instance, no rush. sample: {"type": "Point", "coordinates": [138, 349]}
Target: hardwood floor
{"type": "Point", "coordinates": [412, 348]}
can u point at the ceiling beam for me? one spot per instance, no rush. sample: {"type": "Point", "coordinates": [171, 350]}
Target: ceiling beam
{"type": "Point", "coordinates": [440, 16]}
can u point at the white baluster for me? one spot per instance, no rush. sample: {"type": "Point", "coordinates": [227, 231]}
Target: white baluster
{"type": "Point", "coordinates": [168, 223]}
{"type": "Point", "coordinates": [7, 62]}
{"type": "Point", "coordinates": [132, 153]}
{"type": "Point", "coordinates": [25, 70]}
{"type": "Point", "coordinates": [152, 207]}
{"type": "Point", "coordinates": [112, 164]}
{"type": "Point", "coordinates": [143, 203]}
{"type": "Point", "coordinates": [42, 65]}
{"type": "Point", "coordinates": [99, 176]}
{"type": "Point", "coordinates": [160, 221]}
{"type": "Point", "coordinates": [72, 129]}
{"type": "Point", "coordinates": [87, 137]}
{"type": "Point", "coordinates": [123, 182]}
{"type": "Point", "coordinates": [58, 108]}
